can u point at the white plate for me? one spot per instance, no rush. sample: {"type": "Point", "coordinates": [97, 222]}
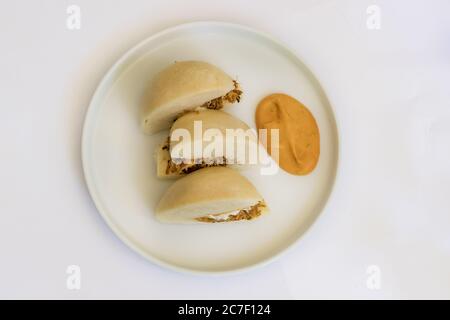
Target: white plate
{"type": "Point", "coordinates": [120, 170]}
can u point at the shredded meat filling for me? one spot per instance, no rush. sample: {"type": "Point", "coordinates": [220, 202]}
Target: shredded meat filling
{"type": "Point", "coordinates": [231, 97]}
{"type": "Point", "coordinates": [246, 214]}
{"type": "Point", "coordinates": [218, 103]}
{"type": "Point", "coordinates": [185, 168]}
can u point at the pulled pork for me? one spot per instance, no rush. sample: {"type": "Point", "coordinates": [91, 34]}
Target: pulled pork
{"type": "Point", "coordinates": [231, 97]}
{"type": "Point", "coordinates": [185, 168]}
{"type": "Point", "coordinates": [218, 103]}
{"type": "Point", "coordinates": [245, 214]}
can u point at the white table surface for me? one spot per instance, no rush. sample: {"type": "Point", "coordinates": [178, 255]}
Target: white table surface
{"type": "Point", "coordinates": [389, 89]}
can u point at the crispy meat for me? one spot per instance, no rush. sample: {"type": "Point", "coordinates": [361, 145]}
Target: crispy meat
{"type": "Point", "coordinates": [231, 97]}
{"type": "Point", "coordinates": [246, 214]}
{"type": "Point", "coordinates": [185, 168]}
{"type": "Point", "coordinates": [195, 167]}
{"type": "Point", "coordinates": [218, 103]}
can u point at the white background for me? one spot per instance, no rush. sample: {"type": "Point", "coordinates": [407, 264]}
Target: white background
{"type": "Point", "coordinates": [389, 89]}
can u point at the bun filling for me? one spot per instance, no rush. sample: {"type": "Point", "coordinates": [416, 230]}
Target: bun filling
{"type": "Point", "coordinates": [243, 214]}
{"type": "Point", "coordinates": [231, 97]}
{"type": "Point", "coordinates": [218, 103]}
{"type": "Point", "coordinates": [181, 168]}
{"type": "Point", "coordinates": [185, 168]}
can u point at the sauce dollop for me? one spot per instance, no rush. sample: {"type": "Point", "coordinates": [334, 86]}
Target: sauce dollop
{"type": "Point", "coordinates": [299, 139]}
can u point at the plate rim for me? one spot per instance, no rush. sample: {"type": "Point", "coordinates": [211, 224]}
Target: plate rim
{"type": "Point", "coordinates": [97, 199]}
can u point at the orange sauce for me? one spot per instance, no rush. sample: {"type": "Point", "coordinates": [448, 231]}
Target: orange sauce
{"type": "Point", "coordinates": [299, 139]}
